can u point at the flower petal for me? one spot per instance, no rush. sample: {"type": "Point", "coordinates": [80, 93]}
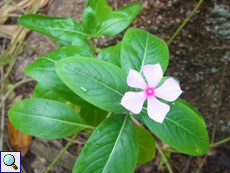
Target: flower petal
{"type": "Point", "coordinates": [170, 90]}
{"type": "Point", "coordinates": [153, 74]}
{"type": "Point", "coordinates": [135, 79]}
{"type": "Point", "coordinates": [156, 109]}
{"type": "Point", "coordinates": [133, 101]}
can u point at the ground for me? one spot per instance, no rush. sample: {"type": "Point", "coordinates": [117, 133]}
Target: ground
{"type": "Point", "coordinates": [199, 59]}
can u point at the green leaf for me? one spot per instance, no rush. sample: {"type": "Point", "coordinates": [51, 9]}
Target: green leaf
{"type": "Point", "coordinates": [74, 107]}
{"type": "Point", "coordinates": [139, 48]}
{"type": "Point", "coordinates": [62, 28]}
{"type": "Point", "coordinates": [93, 117]}
{"type": "Point", "coordinates": [111, 54]}
{"type": "Point", "coordinates": [62, 43]}
{"type": "Point", "coordinates": [100, 8]}
{"type": "Point", "coordinates": [147, 146]}
{"type": "Point", "coordinates": [111, 148]}
{"type": "Point", "coordinates": [118, 20]}
{"type": "Point", "coordinates": [98, 82]}
{"type": "Point", "coordinates": [84, 43]}
{"type": "Point", "coordinates": [45, 118]}
{"type": "Point", "coordinates": [43, 70]}
{"type": "Point", "coordinates": [41, 91]}
{"type": "Point", "coordinates": [183, 129]}
{"type": "Point", "coordinates": [89, 20]}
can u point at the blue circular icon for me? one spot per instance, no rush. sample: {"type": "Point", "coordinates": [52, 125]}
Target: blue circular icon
{"type": "Point", "coordinates": [8, 159]}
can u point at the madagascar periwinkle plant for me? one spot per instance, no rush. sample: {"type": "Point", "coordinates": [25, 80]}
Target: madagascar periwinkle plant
{"type": "Point", "coordinates": [102, 95]}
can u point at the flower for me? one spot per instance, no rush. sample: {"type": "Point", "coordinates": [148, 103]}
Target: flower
{"type": "Point", "coordinates": [133, 101]}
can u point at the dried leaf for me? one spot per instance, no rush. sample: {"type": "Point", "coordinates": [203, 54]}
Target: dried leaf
{"type": "Point", "coordinates": [43, 3]}
{"type": "Point", "coordinates": [8, 8]}
{"type": "Point", "coordinates": [11, 30]}
{"type": "Point", "coordinates": [19, 141]}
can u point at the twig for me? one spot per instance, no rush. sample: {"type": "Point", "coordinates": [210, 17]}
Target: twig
{"type": "Point", "coordinates": [14, 41]}
{"type": "Point", "coordinates": [35, 7]}
{"type": "Point", "coordinates": [15, 54]}
{"type": "Point", "coordinates": [2, 126]}
{"type": "Point", "coordinates": [3, 45]}
{"type": "Point", "coordinates": [5, 36]}
{"type": "Point", "coordinates": [202, 163]}
{"type": "Point", "coordinates": [187, 165]}
{"type": "Point", "coordinates": [33, 48]}
{"type": "Point", "coordinates": [11, 89]}
{"type": "Point", "coordinates": [164, 158]}
{"type": "Point", "coordinates": [19, 7]}
{"type": "Point", "coordinates": [59, 155]}
{"type": "Point", "coordinates": [184, 22]}
{"type": "Point", "coordinates": [52, 44]}
{"type": "Point", "coordinates": [11, 15]}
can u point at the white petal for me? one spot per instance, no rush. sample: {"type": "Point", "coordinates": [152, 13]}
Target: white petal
{"type": "Point", "coordinates": [156, 109]}
{"type": "Point", "coordinates": [170, 90]}
{"type": "Point", "coordinates": [135, 79]}
{"type": "Point", "coordinates": [133, 101]}
{"type": "Point", "coordinates": [153, 74]}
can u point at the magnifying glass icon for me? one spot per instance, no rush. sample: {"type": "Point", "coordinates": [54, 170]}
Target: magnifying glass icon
{"type": "Point", "coordinates": [9, 160]}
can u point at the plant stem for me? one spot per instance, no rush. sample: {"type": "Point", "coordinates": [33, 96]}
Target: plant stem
{"type": "Point", "coordinates": [184, 22]}
{"type": "Point", "coordinates": [164, 158]}
{"type": "Point", "coordinates": [220, 142]}
{"type": "Point", "coordinates": [157, 146]}
{"type": "Point", "coordinates": [171, 150]}
{"type": "Point", "coordinates": [60, 154]}
{"type": "Point", "coordinates": [136, 121]}
{"type": "Point", "coordinates": [93, 46]}
{"type": "Point", "coordinates": [109, 114]}
{"type": "Point", "coordinates": [99, 50]}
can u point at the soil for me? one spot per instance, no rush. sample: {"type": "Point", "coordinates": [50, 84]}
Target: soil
{"type": "Point", "coordinates": [199, 59]}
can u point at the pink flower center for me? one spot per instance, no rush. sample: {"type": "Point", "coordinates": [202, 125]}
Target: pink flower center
{"type": "Point", "coordinates": [149, 91]}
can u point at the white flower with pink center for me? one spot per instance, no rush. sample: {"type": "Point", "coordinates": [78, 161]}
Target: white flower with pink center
{"type": "Point", "coordinates": [133, 101]}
